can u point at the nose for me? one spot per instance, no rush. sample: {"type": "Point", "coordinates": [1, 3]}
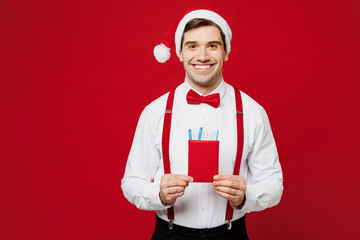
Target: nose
{"type": "Point", "coordinates": [203, 54]}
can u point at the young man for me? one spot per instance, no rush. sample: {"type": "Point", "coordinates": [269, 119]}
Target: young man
{"type": "Point", "coordinates": [161, 156]}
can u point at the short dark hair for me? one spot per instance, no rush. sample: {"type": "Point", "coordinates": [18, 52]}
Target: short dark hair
{"type": "Point", "coordinates": [201, 22]}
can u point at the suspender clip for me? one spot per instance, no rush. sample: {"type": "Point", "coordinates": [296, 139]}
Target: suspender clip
{"type": "Point", "coordinates": [171, 224]}
{"type": "Point", "coordinates": [229, 224]}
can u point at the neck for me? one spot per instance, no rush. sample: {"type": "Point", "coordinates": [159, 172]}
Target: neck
{"type": "Point", "coordinates": [204, 89]}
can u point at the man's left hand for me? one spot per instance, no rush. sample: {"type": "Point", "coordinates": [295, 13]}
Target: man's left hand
{"type": "Point", "coordinates": [230, 187]}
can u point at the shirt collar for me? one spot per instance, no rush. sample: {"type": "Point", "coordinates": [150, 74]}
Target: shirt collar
{"type": "Point", "coordinates": [221, 89]}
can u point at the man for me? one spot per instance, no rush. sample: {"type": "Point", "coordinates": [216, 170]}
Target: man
{"type": "Point", "coordinates": [156, 176]}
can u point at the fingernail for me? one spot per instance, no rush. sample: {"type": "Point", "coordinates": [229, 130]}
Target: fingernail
{"type": "Point", "coordinates": [215, 177]}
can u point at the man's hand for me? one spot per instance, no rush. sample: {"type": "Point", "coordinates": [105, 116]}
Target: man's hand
{"type": "Point", "coordinates": [173, 186]}
{"type": "Point", "coordinates": [230, 187]}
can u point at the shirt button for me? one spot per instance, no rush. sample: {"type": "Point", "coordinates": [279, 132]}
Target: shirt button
{"type": "Point", "coordinates": [203, 209]}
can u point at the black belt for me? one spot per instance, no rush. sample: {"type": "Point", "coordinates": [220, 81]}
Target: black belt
{"type": "Point", "coordinates": [238, 229]}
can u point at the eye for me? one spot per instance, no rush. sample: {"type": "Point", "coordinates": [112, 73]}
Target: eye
{"type": "Point", "coordinates": [192, 46]}
{"type": "Point", "coordinates": [213, 46]}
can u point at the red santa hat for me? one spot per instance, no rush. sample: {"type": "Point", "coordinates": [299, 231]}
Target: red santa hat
{"type": "Point", "coordinates": [174, 34]}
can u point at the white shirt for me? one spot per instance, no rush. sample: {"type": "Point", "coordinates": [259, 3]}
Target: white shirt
{"type": "Point", "coordinates": [200, 206]}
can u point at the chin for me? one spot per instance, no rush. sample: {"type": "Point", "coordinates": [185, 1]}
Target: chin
{"type": "Point", "coordinates": [204, 83]}
{"type": "Point", "coordinates": [202, 80]}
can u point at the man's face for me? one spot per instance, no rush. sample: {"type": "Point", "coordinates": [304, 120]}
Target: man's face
{"type": "Point", "coordinates": [203, 55]}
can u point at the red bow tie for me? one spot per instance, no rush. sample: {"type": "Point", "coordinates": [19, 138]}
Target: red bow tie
{"type": "Point", "coordinates": [193, 98]}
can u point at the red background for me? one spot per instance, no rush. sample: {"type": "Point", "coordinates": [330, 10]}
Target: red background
{"type": "Point", "coordinates": [75, 76]}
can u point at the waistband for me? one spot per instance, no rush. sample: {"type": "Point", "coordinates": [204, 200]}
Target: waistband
{"type": "Point", "coordinates": [238, 224]}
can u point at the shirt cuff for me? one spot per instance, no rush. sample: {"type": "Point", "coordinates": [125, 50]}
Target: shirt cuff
{"type": "Point", "coordinates": [151, 194]}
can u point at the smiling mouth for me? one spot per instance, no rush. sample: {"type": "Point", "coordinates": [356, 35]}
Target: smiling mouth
{"type": "Point", "coordinates": [202, 67]}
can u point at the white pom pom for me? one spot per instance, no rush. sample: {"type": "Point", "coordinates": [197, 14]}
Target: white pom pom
{"type": "Point", "coordinates": [162, 53]}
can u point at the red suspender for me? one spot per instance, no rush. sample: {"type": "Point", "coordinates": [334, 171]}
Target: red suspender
{"type": "Point", "coordinates": [166, 140]}
{"type": "Point", "coordinates": [240, 143]}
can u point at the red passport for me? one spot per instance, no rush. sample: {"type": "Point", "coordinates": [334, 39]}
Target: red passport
{"type": "Point", "coordinates": [203, 160]}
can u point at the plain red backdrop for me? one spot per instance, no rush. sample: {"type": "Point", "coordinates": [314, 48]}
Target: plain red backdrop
{"type": "Point", "coordinates": [75, 76]}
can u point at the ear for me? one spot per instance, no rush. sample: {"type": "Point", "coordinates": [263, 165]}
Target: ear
{"type": "Point", "coordinates": [226, 57]}
{"type": "Point", "coordinates": [181, 57]}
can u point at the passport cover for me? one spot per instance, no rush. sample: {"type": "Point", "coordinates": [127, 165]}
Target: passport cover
{"type": "Point", "coordinates": [203, 160]}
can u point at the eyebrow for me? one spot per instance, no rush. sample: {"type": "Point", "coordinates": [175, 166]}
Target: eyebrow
{"type": "Point", "coordinates": [217, 42]}
{"type": "Point", "coordinates": [190, 42]}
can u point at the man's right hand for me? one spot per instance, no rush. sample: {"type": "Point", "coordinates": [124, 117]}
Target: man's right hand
{"type": "Point", "coordinates": [173, 186]}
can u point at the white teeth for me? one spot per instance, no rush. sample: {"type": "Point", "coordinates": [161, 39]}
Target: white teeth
{"type": "Point", "coordinates": [202, 66]}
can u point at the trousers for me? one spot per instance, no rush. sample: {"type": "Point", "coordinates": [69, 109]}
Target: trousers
{"type": "Point", "coordinates": [162, 232]}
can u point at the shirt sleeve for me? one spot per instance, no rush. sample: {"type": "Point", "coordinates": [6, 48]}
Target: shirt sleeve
{"type": "Point", "coordinates": [265, 184]}
{"type": "Point", "coordinates": [141, 181]}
